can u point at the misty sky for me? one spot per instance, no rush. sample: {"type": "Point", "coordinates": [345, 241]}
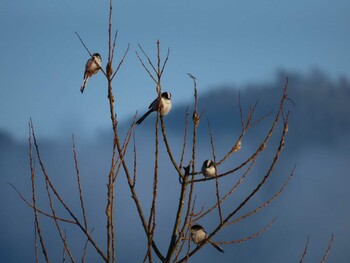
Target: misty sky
{"type": "Point", "coordinates": [244, 41]}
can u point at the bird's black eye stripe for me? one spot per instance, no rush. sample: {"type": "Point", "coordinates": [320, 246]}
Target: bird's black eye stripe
{"type": "Point", "coordinates": [166, 95]}
{"type": "Point", "coordinates": [196, 227]}
{"type": "Point", "coordinates": [208, 163]}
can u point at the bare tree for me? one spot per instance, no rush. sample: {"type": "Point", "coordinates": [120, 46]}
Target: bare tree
{"type": "Point", "coordinates": [188, 214]}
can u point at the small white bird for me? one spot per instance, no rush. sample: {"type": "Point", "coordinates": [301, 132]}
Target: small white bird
{"type": "Point", "coordinates": [208, 168]}
{"type": "Point", "coordinates": [93, 65]}
{"type": "Point", "coordinates": [198, 235]}
{"type": "Point", "coordinates": [165, 100]}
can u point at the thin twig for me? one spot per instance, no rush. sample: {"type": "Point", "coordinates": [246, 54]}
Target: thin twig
{"type": "Point", "coordinates": [36, 216]}
{"type": "Point", "coordinates": [269, 201]}
{"type": "Point", "coordinates": [165, 139]}
{"type": "Point", "coordinates": [43, 169]}
{"type": "Point", "coordinates": [126, 142]}
{"type": "Point", "coordinates": [328, 249]}
{"type": "Point", "coordinates": [228, 193]}
{"type": "Point", "coordinates": [121, 62]}
{"type": "Point", "coordinates": [216, 172]}
{"type": "Point", "coordinates": [36, 244]}
{"type": "Point", "coordinates": [135, 162]}
{"type": "Point", "coordinates": [85, 247]}
{"type": "Point", "coordinates": [64, 249]}
{"type": "Point", "coordinates": [114, 44]}
{"type": "Point", "coordinates": [79, 183]}
{"type": "Point", "coordinates": [185, 140]}
{"type": "Point", "coordinates": [58, 227]}
{"type": "Point", "coordinates": [165, 62]}
{"type": "Point", "coordinates": [148, 59]}
{"type": "Point", "coordinates": [305, 250]}
{"type": "Point", "coordinates": [37, 209]}
{"type": "Point", "coordinates": [249, 237]}
{"type": "Point", "coordinates": [82, 42]}
{"type": "Point", "coordinates": [240, 110]}
{"type": "Point", "coordinates": [144, 66]}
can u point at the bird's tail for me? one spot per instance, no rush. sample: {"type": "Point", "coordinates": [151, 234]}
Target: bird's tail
{"type": "Point", "coordinates": [139, 121]}
{"type": "Point", "coordinates": [217, 247]}
{"type": "Point", "coordinates": [84, 84]}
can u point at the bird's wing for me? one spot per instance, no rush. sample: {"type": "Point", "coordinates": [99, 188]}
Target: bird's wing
{"type": "Point", "coordinates": [153, 104]}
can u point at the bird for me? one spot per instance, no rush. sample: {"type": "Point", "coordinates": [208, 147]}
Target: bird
{"type": "Point", "coordinates": [165, 100]}
{"type": "Point", "coordinates": [92, 66]}
{"type": "Point", "coordinates": [198, 235]}
{"type": "Point", "coordinates": [208, 168]}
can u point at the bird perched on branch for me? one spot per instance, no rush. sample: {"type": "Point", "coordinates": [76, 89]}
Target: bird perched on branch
{"type": "Point", "coordinates": [93, 65]}
{"type": "Point", "coordinates": [198, 235]}
{"type": "Point", "coordinates": [164, 106]}
{"type": "Point", "coordinates": [208, 168]}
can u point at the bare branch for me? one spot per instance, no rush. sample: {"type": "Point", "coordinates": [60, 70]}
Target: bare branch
{"type": "Point", "coordinates": [114, 44]}
{"type": "Point", "coordinates": [37, 209]}
{"type": "Point", "coordinates": [305, 250]}
{"type": "Point", "coordinates": [61, 234]}
{"type": "Point", "coordinates": [144, 66]}
{"type": "Point", "coordinates": [269, 201]}
{"type": "Point", "coordinates": [165, 139]}
{"type": "Point", "coordinates": [228, 193]}
{"type": "Point", "coordinates": [152, 216]}
{"type": "Point", "coordinates": [185, 139]}
{"type": "Point", "coordinates": [36, 244]}
{"type": "Point", "coordinates": [249, 237]}
{"type": "Point", "coordinates": [121, 62]}
{"type": "Point", "coordinates": [85, 248]}
{"type": "Point", "coordinates": [148, 59]}
{"type": "Point", "coordinates": [134, 195]}
{"type": "Point", "coordinates": [216, 173]}
{"type": "Point", "coordinates": [64, 249]}
{"type": "Point", "coordinates": [175, 239]}
{"type": "Point", "coordinates": [59, 197]}
{"type": "Point", "coordinates": [165, 62]}
{"type": "Point", "coordinates": [135, 161]}
{"type": "Point", "coordinates": [36, 216]}
{"type": "Point", "coordinates": [82, 42]}
{"type": "Point", "coordinates": [240, 110]}
{"type": "Point", "coordinates": [246, 200]}
{"type": "Point", "coordinates": [328, 249]}
{"type": "Point", "coordinates": [79, 184]}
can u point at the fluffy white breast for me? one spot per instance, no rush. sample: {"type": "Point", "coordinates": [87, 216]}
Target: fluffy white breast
{"type": "Point", "coordinates": [166, 106]}
{"type": "Point", "coordinates": [198, 236]}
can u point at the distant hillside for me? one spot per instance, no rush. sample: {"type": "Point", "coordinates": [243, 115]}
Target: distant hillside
{"type": "Point", "coordinates": [320, 107]}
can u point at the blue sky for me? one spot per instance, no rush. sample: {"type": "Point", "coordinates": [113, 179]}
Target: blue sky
{"type": "Point", "coordinates": [221, 42]}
